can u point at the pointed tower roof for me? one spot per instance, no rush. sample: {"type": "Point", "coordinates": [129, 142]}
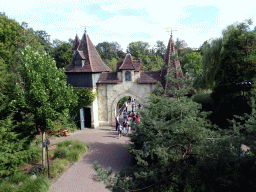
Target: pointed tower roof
{"type": "Point", "coordinates": [90, 56]}
{"type": "Point", "coordinates": [172, 63]}
{"type": "Point", "coordinates": [76, 43]}
{"type": "Point", "coordinates": [128, 63]}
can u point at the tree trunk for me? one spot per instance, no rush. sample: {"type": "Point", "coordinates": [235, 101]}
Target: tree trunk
{"type": "Point", "coordinates": [43, 149]}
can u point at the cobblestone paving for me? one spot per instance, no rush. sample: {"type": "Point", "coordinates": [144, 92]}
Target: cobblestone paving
{"type": "Point", "coordinates": [103, 147]}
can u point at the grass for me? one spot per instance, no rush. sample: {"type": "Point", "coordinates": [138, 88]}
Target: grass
{"type": "Point", "coordinates": [40, 184]}
{"type": "Point", "coordinates": [61, 157]}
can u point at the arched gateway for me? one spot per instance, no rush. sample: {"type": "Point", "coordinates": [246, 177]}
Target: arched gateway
{"type": "Point", "coordinates": [87, 70]}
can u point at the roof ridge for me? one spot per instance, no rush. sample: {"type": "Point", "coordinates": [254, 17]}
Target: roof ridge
{"type": "Point", "coordinates": [89, 58]}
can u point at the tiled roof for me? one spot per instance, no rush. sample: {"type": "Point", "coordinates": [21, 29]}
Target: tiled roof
{"type": "Point", "coordinates": [127, 64]}
{"type": "Point", "coordinates": [118, 65]}
{"type": "Point", "coordinates": [93, 62]}
{"type": "Point", "coordinates": [150, 77]}
{"type": "Point", "coordinates": [108, 77]}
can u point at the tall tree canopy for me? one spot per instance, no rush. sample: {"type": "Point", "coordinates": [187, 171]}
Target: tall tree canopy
{"type": "Point", "coordinates": [45, 91]}
{"type": "Point", "coordinates": [62, 53]}
{"type": "Point", "coordinates": [236, 64]}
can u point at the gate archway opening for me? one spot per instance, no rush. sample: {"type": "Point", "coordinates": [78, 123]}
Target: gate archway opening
{"type": "Point", "coordinates": [115, 108]}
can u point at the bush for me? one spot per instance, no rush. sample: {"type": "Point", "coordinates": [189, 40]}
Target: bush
{"type": "Point", "coordinates": [74, 155]}
{"type": "Point", "coordinates": [18, 176]}
{"type": "Point", "coordinates": [80, 146]}
{"type": "Point", "coordinates": [37, 169]}
{"type": "Point", "coordinates": [31, 156]}
{"type": "Point", "coordinates": [5, 186]}
{"type": "Point", "coordinates": [40, 184]}
{"type": "Point", "coordinates": [61, 153]}
{"type": "Point", "coordinates": [64, 143]}
{"type": "Point", "coordinates": [58, 166]}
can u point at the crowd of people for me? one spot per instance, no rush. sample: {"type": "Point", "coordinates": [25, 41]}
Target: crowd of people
{"type": "Point", "coordinates": [128, 117]}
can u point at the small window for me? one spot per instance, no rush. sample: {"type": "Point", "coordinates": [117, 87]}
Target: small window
{"type": "Point", "coordinates": [128, 76]}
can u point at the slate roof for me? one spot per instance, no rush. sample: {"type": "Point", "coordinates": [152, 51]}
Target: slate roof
{"type": "Point", "coordinates": [150, 77]}
{"type": "Point", "coordinates": [93, 62]}
{"type": "Point", "coordinates": [108, 77]}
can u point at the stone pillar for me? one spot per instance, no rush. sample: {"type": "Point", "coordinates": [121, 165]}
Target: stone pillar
{"type": "Point", "coordinates": [94, 113]}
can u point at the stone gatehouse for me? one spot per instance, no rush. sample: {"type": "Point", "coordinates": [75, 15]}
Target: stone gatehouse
{"type": "Point", "coordinates": [87, 70]}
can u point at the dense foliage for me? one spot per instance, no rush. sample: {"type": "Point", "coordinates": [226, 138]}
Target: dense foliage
{"type": "Point", "coordinates": [235, 65]}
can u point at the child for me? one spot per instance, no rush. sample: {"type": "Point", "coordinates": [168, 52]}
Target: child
{"type": "Point", "coordinates": [119, 131]}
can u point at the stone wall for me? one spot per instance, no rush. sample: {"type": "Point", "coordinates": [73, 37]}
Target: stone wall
{"type": "Point", "coordinates": [110, 94]}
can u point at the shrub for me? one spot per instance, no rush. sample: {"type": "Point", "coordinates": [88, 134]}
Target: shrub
{"type": "Point", "coordinates": [60, 153]}
{"type": "Point", "coordinates": [18, 176]}
{"type": "Point", "coordinates": [40, 184]}
{"type": "Point", "coordinates": [73, 155]}
{"type": "Point", "coordinates": [58, 166]}
{"type": "Point", "coordinates": [37, 169]}
{"type": "Point", "coordinates": [64, 143]}
{"type": "Point", "coordinates": [80, 146]}
{"type": "Point", "coordinates": [5, 186]}
{"type": "Point", "coordinates": [33, 155]}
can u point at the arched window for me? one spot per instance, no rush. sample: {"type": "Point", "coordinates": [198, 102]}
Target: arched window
{"type": "Point", "coordinates": [128, 76]}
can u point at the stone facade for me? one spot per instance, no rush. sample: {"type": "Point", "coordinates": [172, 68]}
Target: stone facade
{"type": "Point", "coordinates": [110, 94]}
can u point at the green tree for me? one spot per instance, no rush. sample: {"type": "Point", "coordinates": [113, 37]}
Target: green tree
{"type": "Point", "coordinates": [164, 146]}
{"type": "Point", "coordinates": [44, 39]}
{"type": "Point", "coordinates": [235, 65]}
{"type": "Point", "coordinates": [13, 39]}
{"type": "Point", "coordinates": [140, 50]}
{"type": "Point", "coordinates": [107, 51]}
{"type": "Point", "coordinates": [111, 64]}
{"type": "Point", "coordinates": [85, 98]}
{"type": "Point", "coordinates": [62, 53]}
{"type": "Point", "coordinates": [45, 91]}
{"type": "Point", "coordinates": [193, 63]}
{"type": "Point", "coordinates": [11, 147]}
{"type": "Point", "coordinates": [180, 46]}
{"type": "Point", "coordinates": [160, 49]}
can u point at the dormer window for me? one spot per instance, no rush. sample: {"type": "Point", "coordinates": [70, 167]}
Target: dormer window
{"type": "Point", "coordinates": [128, 76]}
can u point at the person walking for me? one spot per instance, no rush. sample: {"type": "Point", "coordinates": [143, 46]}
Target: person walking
{"type": "Point", "coordinates": [117, 121]}
{"type": "Point", "coordinates": [134, 118]}
{"type": "Point", "coordinates": [124, 127]}
{"type": "Point", "coordinates": [133, 105]}
{"type": "Point", "coordinates": [129, 126]}
{"type": "Point", "coordinates": [119, 131]}
{"type": "Point", "coordinates": [126, 105]}
{"type": "Point", "coordinates": [125, 115]}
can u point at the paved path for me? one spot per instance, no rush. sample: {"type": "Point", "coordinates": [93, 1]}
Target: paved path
{"type": "Point", "coordinates": [103, 147]}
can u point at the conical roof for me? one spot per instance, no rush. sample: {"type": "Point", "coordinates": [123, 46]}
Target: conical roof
{"type": "Point", "coordinates": [172, 63]}
{"type": "Point", "coordinates": [90, 56]}
{"type": "Point", "coordinates": [76, 43]}
{"type": "Point", "coordinates": [128, 63]}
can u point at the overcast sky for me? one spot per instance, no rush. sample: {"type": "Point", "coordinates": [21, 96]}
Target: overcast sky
{"type": "Point", "coordinates": [131, 20]}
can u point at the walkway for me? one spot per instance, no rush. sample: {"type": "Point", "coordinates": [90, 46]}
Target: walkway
{"type": "Point", "coordinates": [103, 147]}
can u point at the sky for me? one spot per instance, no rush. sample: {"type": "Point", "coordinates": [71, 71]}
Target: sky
{"type": "Point", "coordinates": [131, 20]}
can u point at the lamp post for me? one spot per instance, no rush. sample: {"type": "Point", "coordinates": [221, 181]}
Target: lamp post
{"type": "Point", "coordinates": [244, 83]}
{"type": "Point", "coordinates": [46, 144]}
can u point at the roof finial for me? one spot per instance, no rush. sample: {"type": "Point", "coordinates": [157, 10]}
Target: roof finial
{"type": "Point", "coordinates": [169, 29]}
{"type": "Point", "coordinates": [85, 28]}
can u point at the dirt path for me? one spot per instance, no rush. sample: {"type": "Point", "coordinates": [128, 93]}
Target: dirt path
{"type": "Point", "coordinates": [103, 147]}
